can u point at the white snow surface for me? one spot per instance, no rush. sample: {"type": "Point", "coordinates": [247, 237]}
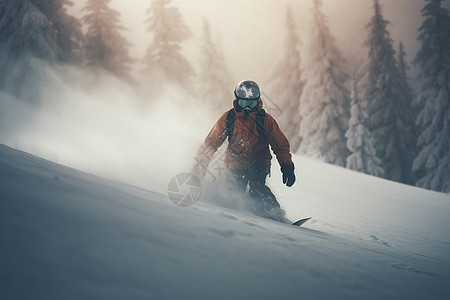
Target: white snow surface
{"type": "Point", "coordinates": [65, 234]}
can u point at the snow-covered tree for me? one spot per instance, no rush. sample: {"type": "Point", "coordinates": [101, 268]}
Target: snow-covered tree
{"type": "Point", "coordinates": [432, 165]}
{"type": "Point", "coordinates": [69, 36]}
{"type": "Point", "coordinates": [25, 29]}
{"type": "Point", "coordinates": [164, 60]}
{"type": "Point", "coordinates": [389, 99]}
{"type": "Point", "coordinates": [402, 64]}
{"type": "Point", "coordinates": [359, 139]}
{"type": "Point", "coordinates": [410, 94]}
{"type": "Point", "coordinates": [41, 28]}
{"type": "Point", "coordinates": [34, 36]}
{"type": "Point", "coordinates": [215, 86]}
{"type": "Point", "coordinates": [106, 48]}
{"type": "Point", "coordinates": [325, 101]}
{"type": "Point", "coordinates": [27, 44]}
{"type": "Point", "coordinates": [286, 86]}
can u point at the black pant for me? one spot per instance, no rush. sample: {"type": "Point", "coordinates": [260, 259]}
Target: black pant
{"type": "Point", "coordinates": [263, 201]}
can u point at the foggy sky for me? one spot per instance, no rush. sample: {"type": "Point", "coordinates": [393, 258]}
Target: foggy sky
{"type": "Point", "coordinates": [252, 32]}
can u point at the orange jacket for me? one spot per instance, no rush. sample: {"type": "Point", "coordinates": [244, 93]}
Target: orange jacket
{"type": "Point", "coordinates": [245, 148]}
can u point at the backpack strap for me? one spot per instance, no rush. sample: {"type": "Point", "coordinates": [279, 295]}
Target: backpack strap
{"type": "Point", "coordinates": [229, 123]}
{"type": "Point", "coordinates": [260, 117]}
{"type": "Point", "coordinates": [231, 120]}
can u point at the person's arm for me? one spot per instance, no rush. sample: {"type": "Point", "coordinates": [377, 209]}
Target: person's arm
{"type": "Point", "coordinates": [213, 141]}
{"type": "Point", "coordinates": [280, 146]}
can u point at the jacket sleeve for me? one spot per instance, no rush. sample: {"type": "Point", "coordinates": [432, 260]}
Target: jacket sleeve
{"type": "Point", "coordinates": [213, 141]}
{"type": "Point", "coordinates": [278, 142]}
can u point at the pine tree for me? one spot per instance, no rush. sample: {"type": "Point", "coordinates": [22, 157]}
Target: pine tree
{"type": "Point", "coordinates": [359, 139]}
{"type": "Point", "coordinates": [106, 48]}
{"type": "Point", "coordinates": [69, 36]}
{"type": "Point", "coordinates": [215, 86]}
{"type": "Point", "coordinates": [163, 60]}
{"type": "Point", "coordinates": [24, 29]}
{"type": "Point", "coordinates": [390, 115]}
{"type": "Point", "coordinates": [432, 165]}
{"type": "Point", "coordinates": [40, 28]}
{"type": "Point", "coordinates": [325, 101]}
{"type": "Point", "coordinates": [409, 94]}
{"type": "Point", "coordinates": [27, 45]}
{"type": "Point", "coordinates": [286, 84]}
{"type": "Point", "coordinates": [403, 66]}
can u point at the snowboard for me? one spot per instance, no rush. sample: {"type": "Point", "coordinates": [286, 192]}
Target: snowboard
{"type": "Point", "coordinates": [301, 221]}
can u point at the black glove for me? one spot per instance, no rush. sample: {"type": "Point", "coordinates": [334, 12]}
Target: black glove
{"type": "Point", "coordinates": [288, 174]}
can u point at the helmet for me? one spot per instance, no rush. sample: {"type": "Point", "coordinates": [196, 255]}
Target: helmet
{"type": "Point", "coordinates": [247, 90]}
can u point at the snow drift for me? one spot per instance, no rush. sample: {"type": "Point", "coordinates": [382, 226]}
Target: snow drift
{"type": "Point", "coordinates": [65, 234]}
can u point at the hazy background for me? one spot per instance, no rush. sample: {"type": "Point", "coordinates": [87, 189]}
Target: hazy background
{"type": "Point", "coordinates": [252, 32]}
{"type": "Point", "coordinates": [103, 129]}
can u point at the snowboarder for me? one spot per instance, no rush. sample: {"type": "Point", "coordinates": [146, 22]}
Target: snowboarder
{"type": "Point", "coordinates": [250, 131]}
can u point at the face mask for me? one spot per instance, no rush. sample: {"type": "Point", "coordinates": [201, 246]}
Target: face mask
{"type": "Point", "coordinates": [247, 103]}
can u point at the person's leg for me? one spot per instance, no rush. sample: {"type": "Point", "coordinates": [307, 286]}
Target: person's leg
{"type": "Point", "coordinates": [257, 184]}
{"type": "Point", "coordinates": [238, 179]}
{"type": "Point", "coordinates": [264, 200]}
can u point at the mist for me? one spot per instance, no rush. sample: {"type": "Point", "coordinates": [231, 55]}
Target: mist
{"type": "Point", "coordinates": [252, 33]}
{"type": "Point", "coordinates": [107, 129]}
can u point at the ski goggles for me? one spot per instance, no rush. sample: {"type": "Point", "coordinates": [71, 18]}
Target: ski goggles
{"type": "Point", "coordinates": [247, 103]}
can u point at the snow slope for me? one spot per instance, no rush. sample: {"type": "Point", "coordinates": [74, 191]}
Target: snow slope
{"type": "Point", "coordinates": [65, 234]}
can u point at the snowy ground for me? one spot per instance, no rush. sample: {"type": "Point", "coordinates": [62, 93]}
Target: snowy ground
{"type": "Point", "coordinates": [65, 234]}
